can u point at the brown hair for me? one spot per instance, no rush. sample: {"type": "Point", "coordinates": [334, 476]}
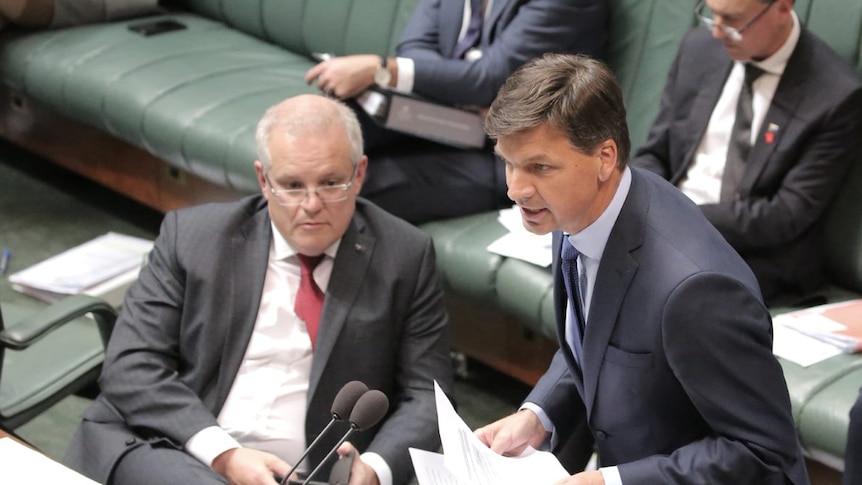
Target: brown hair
{"type": "Point", "coordinates": [574, 94]}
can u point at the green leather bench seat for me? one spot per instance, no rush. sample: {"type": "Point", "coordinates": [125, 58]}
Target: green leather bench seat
{"type": "Point", "coordinates": [193, 96]}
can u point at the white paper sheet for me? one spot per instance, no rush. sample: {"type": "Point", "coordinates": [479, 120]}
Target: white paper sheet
{"type": "Point", "coordinates": [468, 460]}
{"type": "Point", "coordinates": [519, 243]}
{"type": "Point", "coordinates": [20, 465]}
{"type": "Point", "coordinates": [798, 347]}
{"type": "Point", "coordinates": [85, 266]}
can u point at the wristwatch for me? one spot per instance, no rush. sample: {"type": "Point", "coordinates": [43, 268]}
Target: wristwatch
{"type": "Point", "coordinates": [382, 76]}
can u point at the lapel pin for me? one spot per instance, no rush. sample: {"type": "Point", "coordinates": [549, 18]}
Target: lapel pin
{"type": "Point", "coordinates": [359, 247]}
{"type": "Point", "coordinates": [771, 132]}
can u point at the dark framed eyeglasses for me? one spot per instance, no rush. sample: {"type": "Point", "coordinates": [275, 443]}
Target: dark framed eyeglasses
{"type": "Point", "coordinates": [734, 34]}
{"type": "Point", "coordinates": [327, 194]}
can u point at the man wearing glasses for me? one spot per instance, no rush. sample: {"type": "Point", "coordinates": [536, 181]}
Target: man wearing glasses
{"type": "Point", "coordinates": [251, 315]}
{"type": "Point", "coordinates": [759, 123]}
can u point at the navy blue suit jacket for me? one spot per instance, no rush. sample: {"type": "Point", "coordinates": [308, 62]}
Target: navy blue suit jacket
{"type": "Point", "coordinates": [514, 32]}
{"type": "Point", "coordinates": [679, 383]}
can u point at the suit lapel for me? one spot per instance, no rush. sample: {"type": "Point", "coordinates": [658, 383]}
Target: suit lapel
{"type": "Point", "coordinates": [788, 95]}
{"type": "Point", "coordinates": [491, 19]}
{"type": "Point", "coordinates": [451, 17]}
{"type": "Point", "coordinates": [250, 249]}
{"type": "Point", "coordinates": [351, 265]}
{"type": "Point", "coordinates": [616, 270]}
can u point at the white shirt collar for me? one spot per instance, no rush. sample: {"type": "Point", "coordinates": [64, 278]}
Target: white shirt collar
{"type": "Point", "coordinates": [591, 241]}
{"type": "Point", "coordinates": [282, 249]}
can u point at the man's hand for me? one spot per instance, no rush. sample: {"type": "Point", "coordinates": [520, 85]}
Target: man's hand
{"type": "Point", "coordinates": [245, 466]}
{"type": "Point", "coordinates": [593, 477]}
{"type": "Point", "coordinates": [360, 472]}
{"type": "Point", "coordinates": [510, 435]}
{"type": "Point", "coordinates": [345, 76]}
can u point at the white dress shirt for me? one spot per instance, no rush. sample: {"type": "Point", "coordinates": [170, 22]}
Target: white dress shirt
{"type": "Point", "coordinates": [702, 183]}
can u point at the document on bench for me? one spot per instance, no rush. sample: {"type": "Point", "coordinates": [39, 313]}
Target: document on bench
{"type": "Point", "coordinates": [467, 461]}
{"type": "Point", "coordinates": [98, 267]}
{"type": "Point", "coordinates": [21, 465]}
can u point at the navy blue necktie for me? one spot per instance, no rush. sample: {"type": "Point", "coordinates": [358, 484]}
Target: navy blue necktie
{"type": "Point", "coordinates": [569, 259]}
{"type": "Point", "coordinates": [474, 30]}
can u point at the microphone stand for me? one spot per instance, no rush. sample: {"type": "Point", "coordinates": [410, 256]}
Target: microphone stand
{"type": "Point", "coordinates": [353, 427]}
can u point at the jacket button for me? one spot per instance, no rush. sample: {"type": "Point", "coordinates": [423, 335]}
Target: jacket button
{"type": "Point", "coordinates": [601, 435]}
{"type": "Point", "coordinates": [130, 441]}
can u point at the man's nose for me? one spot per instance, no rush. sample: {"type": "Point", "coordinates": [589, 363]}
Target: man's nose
{"type": "Point", "coordinates": [519, 187]}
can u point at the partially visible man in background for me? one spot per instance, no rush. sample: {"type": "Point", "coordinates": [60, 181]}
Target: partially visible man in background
{"type": "Point", "coordinates": [759, 123]}
{"type": "Point", "coordinates": [457, 53]}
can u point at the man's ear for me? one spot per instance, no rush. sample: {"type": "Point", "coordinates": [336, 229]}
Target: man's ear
{"type": "Point", "coordinates": [609, 156]}
{"type": "Point", "coordinates": [261, 180]}
{"type": "Point", "coordinates": [361, 167]}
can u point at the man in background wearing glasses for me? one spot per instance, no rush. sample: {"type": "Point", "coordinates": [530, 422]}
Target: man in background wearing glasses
{"type": "Point", "coordinates": [216, 372]}
{"type": "Point", "coordinates": [759, 123]}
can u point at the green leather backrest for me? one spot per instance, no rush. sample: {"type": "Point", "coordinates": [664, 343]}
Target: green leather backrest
{"type": "Point", "coordinates": [644, 38]}
{"type": "Point", "coordinates": [839, 23]}
{"type": "Point", "coordinates": [308, 26]}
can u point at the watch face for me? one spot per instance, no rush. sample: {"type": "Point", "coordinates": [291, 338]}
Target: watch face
{"type": "Point", "coordinates": [382, 77]}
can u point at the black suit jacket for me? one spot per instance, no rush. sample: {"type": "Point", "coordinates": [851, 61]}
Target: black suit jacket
{"type": "Point", "coordinates": [775, 222]}
{"type": "Point", "coordinates": [679, 384]}
{"type": "Point", "coordinates": [187, 321]}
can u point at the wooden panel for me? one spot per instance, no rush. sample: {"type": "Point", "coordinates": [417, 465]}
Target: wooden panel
{"type": "Point", "coordinates": [498, 340]}
{"type": "Point", "coordinates": [101, 157]}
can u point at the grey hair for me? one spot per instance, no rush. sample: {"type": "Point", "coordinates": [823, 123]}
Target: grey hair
{"type": "Point", "coordinates": [294, 122]}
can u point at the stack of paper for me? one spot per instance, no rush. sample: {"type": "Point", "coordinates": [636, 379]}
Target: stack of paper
{"type": "Point", "coordinates": [24, 466]}
{"type": "Point", "coordinates": [466, 460]}
{"type": "Point", "coordinates": [103, 267]}
{"type": "Point", "coordinates": [813, 334]}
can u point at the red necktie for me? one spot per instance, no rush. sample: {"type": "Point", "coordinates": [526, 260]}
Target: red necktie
{"type": "Point", "coordinates": [309, 298]}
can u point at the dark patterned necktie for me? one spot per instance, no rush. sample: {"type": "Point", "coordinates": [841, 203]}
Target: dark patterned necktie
{"type": "Point", "coordinates": [309, 299]}
{"type": "Point", "coordinates": [740, 136]}
{"type": "Point", "coordinates": [569, 258]}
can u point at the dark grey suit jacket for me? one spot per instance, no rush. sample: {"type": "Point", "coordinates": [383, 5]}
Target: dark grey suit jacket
{"type": "Point", "coordinates": [775, 220]}
{"type": "Point", "coordinates": [187, 321]}
{"type": "Point", "coordinates": [679, 384]}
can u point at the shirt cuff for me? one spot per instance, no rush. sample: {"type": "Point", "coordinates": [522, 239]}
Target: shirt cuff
{"type": "Point", "coordinates": [379, 465]}
{"type": "Point", "coordinates": [551, 442]}
{"type": "Point", "coordinates": [209, 443]}
{"type": "Point", "coordinates": [406, 75]}
{"type": "Point", "coordinates": [611, 475]}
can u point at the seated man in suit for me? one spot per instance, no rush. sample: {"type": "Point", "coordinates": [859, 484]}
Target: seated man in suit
{"type": "Point", "coordinates": [458, 53]}
{"type": "Point", "coordinates": [665, 357]}
{"type": "Point", "coordinates": [251, 315]}
{"type": "Point", "coordinates": [759, 123]}
{"type": "Point", "coordinates": [853, 450]}
{"type": "Point", "coordinates": [64, 13]}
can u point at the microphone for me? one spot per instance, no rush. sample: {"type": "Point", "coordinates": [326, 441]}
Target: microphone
{"type": "Point", "coordinates": [369, 410]}
{"type": "Point", "coordinates": [342, 407]}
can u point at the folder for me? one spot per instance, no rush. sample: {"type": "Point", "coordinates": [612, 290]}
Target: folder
{"type": "Point", "coordinates": [424, 118]}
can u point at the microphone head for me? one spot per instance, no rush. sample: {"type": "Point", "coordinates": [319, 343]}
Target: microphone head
{"type": "Point", "coordinates": [346, 399]}
{"type": "Point", "coordinates": [369, 410]}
